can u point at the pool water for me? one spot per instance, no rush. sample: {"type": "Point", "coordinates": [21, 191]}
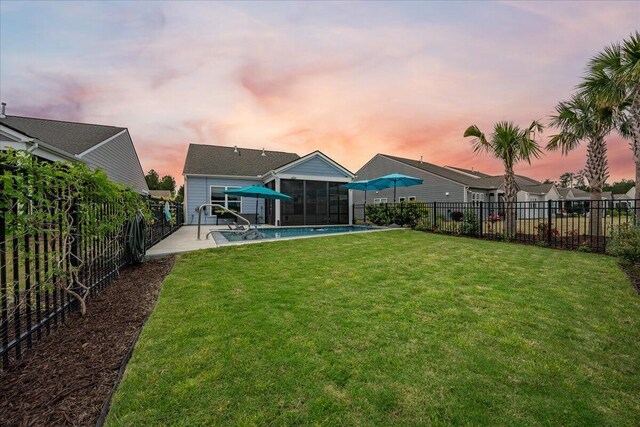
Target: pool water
{"type": "Point", "coordinates": [280, 232]}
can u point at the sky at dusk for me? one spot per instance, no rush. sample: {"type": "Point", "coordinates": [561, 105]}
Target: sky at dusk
{"type": "Point", "coordinates": [349, 79]}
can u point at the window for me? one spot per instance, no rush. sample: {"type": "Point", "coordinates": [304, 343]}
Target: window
{"type": "Point", "coordinates": [380, 200]}
{"type": "Point", "coordinates": [402, 199]}
{"type": "Point", "coordinates": [228, 201]}
{"type": "Point", "coordinates": [412, 198]}
{"type": "Point", "coordinates": [477, 197]}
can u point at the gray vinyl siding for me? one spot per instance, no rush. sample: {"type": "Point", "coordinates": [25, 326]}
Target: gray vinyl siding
{"type": "Point", "coordinates": [434, 188]}
{"type": "Point", "coordinates": [198, 193]}
{"type": "Point", "coordinates": [316, 166]}
{"type": "Point", "coordinates": [118, 159]}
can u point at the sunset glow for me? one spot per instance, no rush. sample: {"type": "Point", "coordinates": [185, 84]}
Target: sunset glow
{"type": "Point", "coordinates": [349, 79]}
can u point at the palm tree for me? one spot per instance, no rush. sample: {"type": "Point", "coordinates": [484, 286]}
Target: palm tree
{"type": "Point", "coordinates": [613, 80]}
{"type": "Point", "coordinates": [582, 119]}
{"type": "Point", "coordinates": [510, 144]}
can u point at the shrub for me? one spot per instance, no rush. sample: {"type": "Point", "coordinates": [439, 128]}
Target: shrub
{"type": "Point", "coordinates": [543, 230]}
{"type": "Point", "coordinates": [625, 244]}
{"type": "Point", "coordinates": [457, 216]}
{"type": "Point", "coordinates": [411, 214]}
{"type": "Point", "coordinates": [471, 224]}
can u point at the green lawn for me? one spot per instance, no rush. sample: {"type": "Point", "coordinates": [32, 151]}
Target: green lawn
{"type": "Point", "coordinates": [399, 327]}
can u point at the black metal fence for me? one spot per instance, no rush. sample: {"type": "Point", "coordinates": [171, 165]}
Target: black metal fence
{"type": "Point", "coordinates": [584, 225]}
{"type": "Point", "coordinates": [36, 265]}
{"type": "Point", "coordinates": [167, 217]}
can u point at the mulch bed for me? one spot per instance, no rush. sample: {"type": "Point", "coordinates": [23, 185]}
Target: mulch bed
{"type": "Point", "coordinates": [633, 273]}
{"type": "Point", "coordinates": [66, 377]}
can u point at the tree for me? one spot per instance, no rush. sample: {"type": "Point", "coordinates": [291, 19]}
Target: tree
{"type": "Point", "coordinates": [548, 181]}
{"type": "Point", "coordinates": [152, 179]}
{"type": "Point", "coordinates": [613, 80]}
{"type": "Point", "coordinates": [511, 145]}
{"type": "Point", "coordinates": [566, 180]}
{"type": "Point", "coordinates": [180, 194]}
{"type": "Point", "coordinates": [167, 183]}
{"type": "Point", "coordinates": [579, 180]}
{"type": "Point", "coordinates": [620, 187]}
{"type": "Point", "coordinates": [579, 120]}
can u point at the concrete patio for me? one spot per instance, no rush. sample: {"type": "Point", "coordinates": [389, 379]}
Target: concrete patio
{"type": "Point", "coordinates": [185, 239]}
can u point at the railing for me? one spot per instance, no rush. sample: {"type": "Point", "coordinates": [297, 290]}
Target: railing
{"type": "Point", "coordinates": [585, 225]}
{"type": "Point", "coordinates": [222, 208]}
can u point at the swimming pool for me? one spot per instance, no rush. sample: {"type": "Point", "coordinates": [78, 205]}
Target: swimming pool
{"type": "Point", "coordinates": [282, 232]}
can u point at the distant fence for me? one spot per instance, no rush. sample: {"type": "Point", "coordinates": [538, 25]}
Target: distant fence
{"type": "Point", "coordinates": [35, 265]}
{"type": "Point", "coordinates": [585, 225]}
{"type": "Point", "coordinates": [161, 225]}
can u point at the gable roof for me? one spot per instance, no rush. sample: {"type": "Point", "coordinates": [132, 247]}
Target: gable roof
{"type": "Point", "coordinates": [537, 189]}
{"type": "Point", "coordinates": [71, 137]}
{"type": "Point", "coordinates": [470, 171]}
{"type": "Point", "coordinates": [316, 153]}
{"type": "Point", "coordinates": [462, 176]}
{"type": "Point", "coordinates": [219, 160]}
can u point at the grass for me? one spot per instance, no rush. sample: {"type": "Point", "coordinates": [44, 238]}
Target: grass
{"type": "Point", "coordinates": [391, 328]}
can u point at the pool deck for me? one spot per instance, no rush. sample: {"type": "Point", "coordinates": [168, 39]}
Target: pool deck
{"type": "Point", "coordinates": [185, 239]}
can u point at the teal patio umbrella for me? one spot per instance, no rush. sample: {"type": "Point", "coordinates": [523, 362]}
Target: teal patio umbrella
{"type": "Point", "coordinates": [396, 180]}
{"type": "Point", "coordinates": [364, 185]}
{"type": "Point", "coordinates": [258, 192]}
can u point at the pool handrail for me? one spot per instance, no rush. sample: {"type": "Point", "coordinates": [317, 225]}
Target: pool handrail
{"type": "Point", "coordinates": [222, 208]}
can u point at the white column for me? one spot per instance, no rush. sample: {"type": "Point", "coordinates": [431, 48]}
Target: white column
{"type": "Point", "coordinates": [351, 207]}
{"type": "Point", "coordinates": [277, 213]}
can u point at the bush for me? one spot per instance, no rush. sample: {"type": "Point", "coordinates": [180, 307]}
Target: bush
{"type": "Point", "coordinates": [471, 224]}
{"type": "Point", "coordinates": [410, 214]}
{"type": "Point", "coordinates": [626, 244]}
{"type": "Point", "coordinates": [457, 216]}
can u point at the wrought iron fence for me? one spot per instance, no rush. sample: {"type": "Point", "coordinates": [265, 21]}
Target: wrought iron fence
{"type": "Point", "coordinates": [585, 225]}
{"type": "Point", "coordinates": [35, 265]}
{"type": "Point", "coordinates": [167, 217]}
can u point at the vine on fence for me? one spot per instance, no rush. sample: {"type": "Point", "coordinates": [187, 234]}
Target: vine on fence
{"type": "Point", "coordinates": [62, 199]}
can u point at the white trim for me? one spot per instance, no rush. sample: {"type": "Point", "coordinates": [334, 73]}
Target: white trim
{"type": "Point", "coordinates": [184, 199]}
{"type": "Point", "coordinates": [453, 169]}
{"type": "Point", "coordinates": [351, 207]}
{"type": "Point", "coordinates": [226, 198]}
{"type": "Point", "coordinates": [310, 156]}
{"type": "Point", "coordinates": [313, 178]}
{"type": "Point", "coordinates": [466, 190]}
{"type": "Point", "coordinates": [15, 134]}
{"type": "Point", "coordinates": [277, 209]}
{"type": "Point", "coordinates": [100, 144]}
{"type": "Point", "coordinates": [257, 177]}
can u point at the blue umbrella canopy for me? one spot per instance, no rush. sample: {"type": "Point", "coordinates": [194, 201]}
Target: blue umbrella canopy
{"type": "Point", "coordinates": [396, 180]}
{"type": "Point", "coordinates": [258, 192]}
{"type": "Point", "coordinates": [364, 185]}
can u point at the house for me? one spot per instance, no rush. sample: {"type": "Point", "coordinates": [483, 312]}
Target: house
{"type": "Point", "coordinates": [449, 184]}
{"type": "Point", "coordinates": [161, 194]}
{"type": "Point", "coordinates": [108, 148]}
{"type": "Point", "coordinates": [315, 182]}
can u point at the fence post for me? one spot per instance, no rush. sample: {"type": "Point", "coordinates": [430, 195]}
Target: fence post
{"type": "Point", "coordinates": [433, 226]}
{"type": "Point", "coordinates": [481, 219]}
{"type": "Point", "coordinates": [549, 225]}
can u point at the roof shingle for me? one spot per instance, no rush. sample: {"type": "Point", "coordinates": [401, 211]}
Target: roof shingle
{"type": "Point", "coordinates": [71, 137]}
{"type": "Point", "coordinates": [218, 160]}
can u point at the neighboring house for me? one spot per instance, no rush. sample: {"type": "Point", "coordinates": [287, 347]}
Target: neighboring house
{"type": "Point", "coordinates": [448, 184]}
{"type": "Point", "coordinates": [108, 148]}
{"type": "Point", "coordinates": [161, 194]}
{"type": "Point", "coordinates": [315, 182]}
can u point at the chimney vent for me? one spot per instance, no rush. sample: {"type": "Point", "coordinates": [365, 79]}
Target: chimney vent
{"type": "Point", "coordinates": [263, 153]}
{"type": "Point", "coordinates": [2, 110]}
{"type": "Point", "coordinates": [235, 148]}
{"type": "Point", "coordinates": [420, 159]}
